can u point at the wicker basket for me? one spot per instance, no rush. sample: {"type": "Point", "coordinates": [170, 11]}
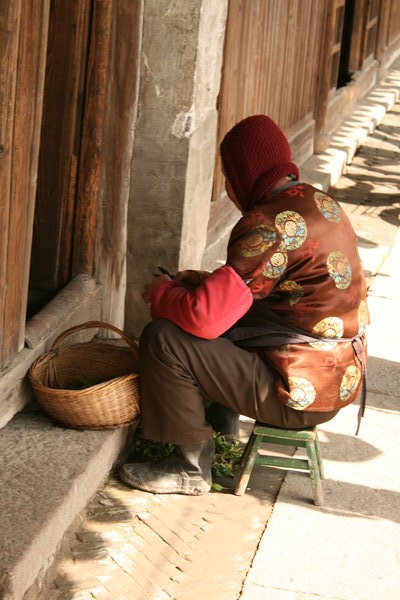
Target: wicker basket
{"type": "Point", "coordinates": [110, 372]}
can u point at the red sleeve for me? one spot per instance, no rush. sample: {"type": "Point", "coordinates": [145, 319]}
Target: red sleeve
{"type": "Point", "coordinates": [208, 311]}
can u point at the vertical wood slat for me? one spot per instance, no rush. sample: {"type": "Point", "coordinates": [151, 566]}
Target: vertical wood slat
{"type": "Point", "coordinates": [23, 149]}
{"type": "Point", "coordinates": [99, 247]}
{"type": "Point", "coordinates": [59, 148]}
{"type": "Point", "coordinates": [118, 147]}
{"type": "Point", "coordinates": [10, 22]}
{"type": "Point", "coordinates": [89, 183]}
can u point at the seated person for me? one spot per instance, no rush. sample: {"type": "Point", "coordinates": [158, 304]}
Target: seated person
{"type": "Point", "coordinates": [276, 334]}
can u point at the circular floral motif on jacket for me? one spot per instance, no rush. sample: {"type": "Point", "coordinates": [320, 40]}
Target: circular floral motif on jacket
{"type": "Point", "coordinates": [350, 381]}
{"type": "Point", "coordinates": [256, 241]}
{"type": "Point", "coordinates": [331, 328]}
{"type": "Point", "coordinates": [339, 269]}
{"type": "Point", "coordinates": [276, 265]}
{"type": "Point", "coordinates": [302, 393]}
{"type": "Point", "coordinates": [295, 290]}
{"type": "Point", "coordinates": [293, 229]}
{"type": "Point", "coordinates": [363, 315]}
{"type": "Point", "coordinates": [328, 207]}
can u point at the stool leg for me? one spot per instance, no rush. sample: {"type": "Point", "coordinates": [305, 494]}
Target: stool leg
{"type": "Point", "coordinates": [314, 473]}
{"type": "Point", "coordinates": [246, 450]}
{"type": "Point", "coordinates": [319, 457]}
{"type": "Point", "coordinates": [251, 451]}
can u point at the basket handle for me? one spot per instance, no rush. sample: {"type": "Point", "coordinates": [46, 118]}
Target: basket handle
{"type": "Point", "coordinates": [98, 325]}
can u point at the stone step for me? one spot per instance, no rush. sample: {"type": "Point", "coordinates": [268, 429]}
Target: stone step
{"type": "Point", "coordinates": [48, 475]}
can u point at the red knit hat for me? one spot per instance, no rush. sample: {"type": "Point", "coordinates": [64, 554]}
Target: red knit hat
{"type": "Point", "coordinates": [255, 155]}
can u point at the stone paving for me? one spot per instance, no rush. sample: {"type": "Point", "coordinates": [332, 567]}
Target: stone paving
{"type": "Point", "coordinates": [136, 545]}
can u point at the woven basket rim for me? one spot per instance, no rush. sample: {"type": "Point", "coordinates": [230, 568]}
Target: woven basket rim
{"type": "Point", "coordinates": [86, 391]}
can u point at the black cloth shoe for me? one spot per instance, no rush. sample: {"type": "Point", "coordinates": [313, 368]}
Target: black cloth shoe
{"type": "Point", "coordinates": [186, 471]}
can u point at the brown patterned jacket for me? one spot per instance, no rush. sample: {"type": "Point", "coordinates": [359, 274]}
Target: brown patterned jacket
{"type": "Point", "coordinates": [297, 252]}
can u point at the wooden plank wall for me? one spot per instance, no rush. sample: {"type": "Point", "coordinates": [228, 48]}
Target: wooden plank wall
{"type": "Point", "coordinates": [23, 29]}
{"type": "Point", "coordinates": [270, 65]}
{"type": "Point", "coordinates": [86, 150]}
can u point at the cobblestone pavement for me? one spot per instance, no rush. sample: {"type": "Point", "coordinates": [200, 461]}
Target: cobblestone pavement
{"type": "Point", "coordinates": [135, 545]}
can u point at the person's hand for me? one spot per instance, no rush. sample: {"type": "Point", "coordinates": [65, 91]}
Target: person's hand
{"type": "Point", "coordinates": [191, 279]}
{"type": "Point", "coordinates": [149, 288]}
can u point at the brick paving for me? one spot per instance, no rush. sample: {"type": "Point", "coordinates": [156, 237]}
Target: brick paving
{"type": "Point", "coordinates": [134, 545]}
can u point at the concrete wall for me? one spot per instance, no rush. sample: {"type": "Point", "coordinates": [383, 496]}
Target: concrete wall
{"type": "Point", "coordinates": [175, 142]}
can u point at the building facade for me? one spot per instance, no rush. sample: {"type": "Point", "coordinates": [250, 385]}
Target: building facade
{"type": "Point", "coordinates": [111, 112]}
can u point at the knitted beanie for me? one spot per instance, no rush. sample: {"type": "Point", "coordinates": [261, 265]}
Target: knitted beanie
{"type": "Point", "coordinates": [255, 155]}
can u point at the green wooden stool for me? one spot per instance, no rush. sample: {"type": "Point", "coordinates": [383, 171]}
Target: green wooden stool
{"type": "Point", "coordinates": [305, 438]}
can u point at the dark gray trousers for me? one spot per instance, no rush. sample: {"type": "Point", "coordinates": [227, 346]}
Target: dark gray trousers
{"type": "Point", "coordinates": [180, 374]}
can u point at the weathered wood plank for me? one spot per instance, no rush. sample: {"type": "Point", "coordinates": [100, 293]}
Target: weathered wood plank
{"type": "Point", "coordinates": [25, 147]}
{"type": "Point", "coordinates": [89, 185]}
{"type": "Point", "coordinates": [118, 145]}
{"type": "Point", "coordinates": [10, 22]}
